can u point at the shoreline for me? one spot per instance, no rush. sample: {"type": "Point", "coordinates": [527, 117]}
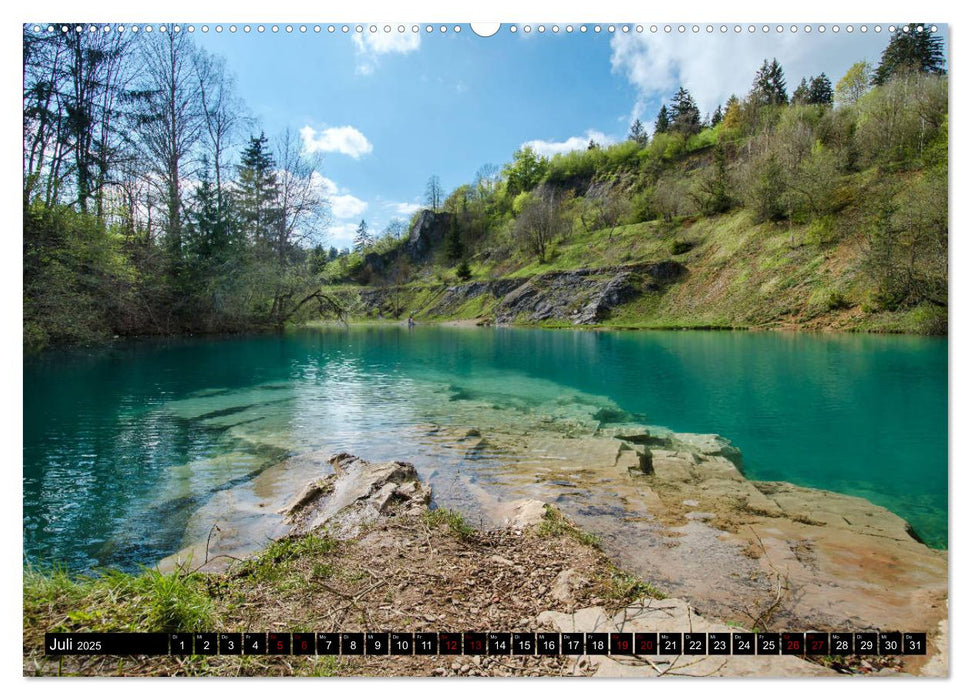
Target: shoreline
{"type": "Point", "coordinates": [475, 323]}
{"type": "Point", "coordinates": [538, 571]}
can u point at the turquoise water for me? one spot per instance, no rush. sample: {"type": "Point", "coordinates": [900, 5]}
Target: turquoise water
{"type": "Point", "coordinates": [122, 444]}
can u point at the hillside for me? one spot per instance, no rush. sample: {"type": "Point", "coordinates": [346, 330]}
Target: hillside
{"type": "Point", "coordinates": [783, 216]}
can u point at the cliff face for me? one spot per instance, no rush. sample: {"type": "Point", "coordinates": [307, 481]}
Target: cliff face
{"type": "Point", "coordinates": [577, 297]}
{"type": "Point", "coordinates": [427, 233]}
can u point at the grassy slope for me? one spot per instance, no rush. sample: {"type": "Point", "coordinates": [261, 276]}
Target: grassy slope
{"type": "Point", "coordinates": [741, 275]}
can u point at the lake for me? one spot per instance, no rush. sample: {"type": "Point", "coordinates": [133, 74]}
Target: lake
{"type": "Point", "coordinates": [122, 444]}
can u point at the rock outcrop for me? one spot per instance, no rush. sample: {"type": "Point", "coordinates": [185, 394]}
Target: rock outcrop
{"type": "Point", "coordinates": [427, 233]}
{"type": "Point", "coordinates": [578, 297]}
{"type": "Point", "coordinates": [355, 495]}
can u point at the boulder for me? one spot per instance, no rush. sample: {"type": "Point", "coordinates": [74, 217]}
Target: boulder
{"type": "Point", "coordinates": [358, 493]}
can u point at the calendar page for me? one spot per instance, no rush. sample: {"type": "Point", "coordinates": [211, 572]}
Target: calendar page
{"type": "Point", "coordinates": [437, 349]}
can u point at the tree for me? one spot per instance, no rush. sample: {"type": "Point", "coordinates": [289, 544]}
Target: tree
{"type": "Point", "coordinates": [454, 249]}
{"type": "Point", "coordinates": [917, 49]}
{"type": "Point", "coordinates": [592, 145]}
{"type": "Point", "coordinates": [486, 180]}
{"type": "Point", "coordinates": [685, 117]}
{"type": "Point", "coordinates": [769, 85]}
{"type": "Point", "coordinates": [820, 90]}
{"type": "Point", "coordinates": [716, 116]}
{"type": "Point", "coordinates": [362, 239]}
{"type": "Point", "coordinates": [638, 134]}
{"type": "Point", "coordinates": [541, 221]}
{"type": "Point", "coordinates": [395, 229]}
{"type": "Point", "coordinates": [733, 113]}
{"type": "Point", "coordinates": [463, 271]}
{"type": "Point", "coordinates": [302, 208]}
{"type": "Point", "coordinates": [257, 192]}
{"type": "Point", "coordinates": [221, 115]}
{"type": "Point", "coordinates": [800, 96]}
{"type": "Point", "coordinates": [852, 86]}
{"type": "Point", "coordinates": [434, 193]}
{"type": "Point", "coordinates": [663, 122]}
{"type": "Point", "coordinates": [171, 120]}
{"type": "Point", "coordinates": [525, 171]}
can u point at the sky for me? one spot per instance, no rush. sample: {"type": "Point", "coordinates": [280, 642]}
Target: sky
{"type": "Point", "coordinates": [384, 111]}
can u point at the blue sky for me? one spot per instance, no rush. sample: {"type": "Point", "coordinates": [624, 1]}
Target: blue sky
{"type": "Point", "coordinates": [386, 111]}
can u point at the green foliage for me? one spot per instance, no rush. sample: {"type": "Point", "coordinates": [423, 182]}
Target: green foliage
{"type": "Point", "coordinates": [116, 601]}
{"type": "Point", "coordinates": [911, 49]}
{"type": "Point", "coordinates": [769, 85]}
{"type": "Point", "coordinates": [852, 86]}
{"type": "Point", "coordinates": [463, 271]}
{"type": "Point", "coordinates": [78, 281]}
{"type": "Point", "coordinates": [680, 247]}
{"type": "Point", "coordinates": [450, 519]}
{"type": "Point", "coordinates": [555, 524]}
{"type": "Point", "coordinates": [525, 171]}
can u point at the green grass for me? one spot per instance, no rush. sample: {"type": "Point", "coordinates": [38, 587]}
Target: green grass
{"type": "Point", "coordinates": [450, 519]}
{"type": "Point", "coordinates": [554, 524]}
{"type": "Point", "coordinates": [271, 564]}
{"type": "Point", "coordinates": [620, 589]}
{"type": "Point", "coordinates": [117, 601]}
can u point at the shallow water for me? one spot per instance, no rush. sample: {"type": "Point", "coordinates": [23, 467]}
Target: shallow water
{"type": "Point", "coordinates": [122, 445]}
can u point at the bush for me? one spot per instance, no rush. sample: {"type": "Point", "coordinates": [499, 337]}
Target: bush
{"type": "Point", "coordinates": [679, 247]}
{"type": "Point", "coordinates": [463, 271]}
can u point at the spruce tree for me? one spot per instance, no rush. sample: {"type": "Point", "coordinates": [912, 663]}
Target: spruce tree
{"type": "Point", "coordinates": [820, 90]}
{"type": "Point", "coordinates": [685, 117]}
{"type": "Point", "coordinates": [257, 191]}
{"type": "Point", "coordinates": [638, 134]}
{"type": "Point", "coordinates": [917, 49]}
{"type": "Point", "coordinates": [800, 96]}
{"type": "Point", "coordinates": [362, 239]}
{"type": "Point", "coordinates": [716, 116]}
{"type": "Point", "coordinates": [662, 123]}
{"type": "Point", "coordinates": [769, 85]}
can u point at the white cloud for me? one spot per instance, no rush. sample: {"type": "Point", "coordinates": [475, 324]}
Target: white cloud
{"type": "Point", "coordinates": [713, 66]}
{"type": "Point", "coordinates": [403, 208]}
{"type": "Point", "coordinates": [372, 45]}
{"type": "Point", "coordinates": [341, 235]}
{"type": "Point", "coordinates": [343, 205]}
{"type": "Point", "coordinates": [336, 139]}
{"type": "Point", "coordinates": [574, 143]}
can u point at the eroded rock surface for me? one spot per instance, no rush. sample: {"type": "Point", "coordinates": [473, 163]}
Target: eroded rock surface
{"type": "Point", "coordinates": [356, 495]}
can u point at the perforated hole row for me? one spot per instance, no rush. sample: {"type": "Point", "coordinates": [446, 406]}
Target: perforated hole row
{"type": "Point", "coordinates": [445, 28]}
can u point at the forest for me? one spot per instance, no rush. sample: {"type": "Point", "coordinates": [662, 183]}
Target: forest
{"type": "Point", "coordinates": [154, 205]}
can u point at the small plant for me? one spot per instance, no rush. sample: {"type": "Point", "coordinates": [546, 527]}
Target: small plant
{"type": "Point", "coordinates": [837, 302]}
{"type": "Point", "coordinates": [679, 247]}
{"type": "Point", "coordinates": [454, 521]}
{"type": "Point", "coordinates": [621, 589]}
{"type": "Point", "coordinates": [463, 271]}
{"type": "Point", "coordinates": [555, 524]}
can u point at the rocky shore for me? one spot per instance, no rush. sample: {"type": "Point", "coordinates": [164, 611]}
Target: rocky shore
{"type": "Point", "coordinates": [731, 553]}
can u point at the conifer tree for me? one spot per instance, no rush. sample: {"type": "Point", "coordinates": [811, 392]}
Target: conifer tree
{"type": "Point", "coordinates": [638, 134]}
{"type": "Point", "coordinates": [685, 117]}
{"type": "Point", "coordinates": [820, 90]}
{"type": "Point", "coordinates": [362, 238]}
{"type": "Point", "coordinates": [716, 116]}
{"type": "Point", "coordinates": [257, 191]}
{"type": "Point", "coordinates": [769, 85]}
{"type": "Point", "coordinates": [800, 96]}
{"type": "Point", "coordinates": [917, 49]}
{"type": "Point", "coordinates": [662, 123]}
